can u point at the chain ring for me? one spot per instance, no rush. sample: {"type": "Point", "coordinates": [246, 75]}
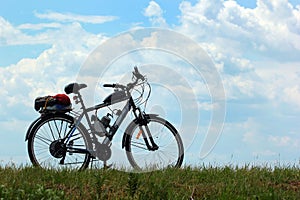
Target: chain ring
{"type": "Point", "coordinates": [103, 152]}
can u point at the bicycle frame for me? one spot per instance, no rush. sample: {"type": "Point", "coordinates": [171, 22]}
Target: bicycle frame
{"type": "Point", "coordinates": [140, 118]}
{"type": "Point", "coordinates": [114, 128]}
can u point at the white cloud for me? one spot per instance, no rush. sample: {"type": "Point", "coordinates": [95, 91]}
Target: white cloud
{"type": "Point", "coordinates": [39, 26]}
{"type": "Point", "coordinates": [155, 14]}
{"type": "Point", "coordinates": [9, 34]}
{"type": "Point", "coordinates": [153, 10]}
{"type": "Point", "coordinates": [63, 35]}
{"type": "Point", "coordinates": [14, 35]}
{"type": "Point", "coordinates": [70, 17]}
{"type": "Point", "coordinates": [279, 83]}
{"type": "Point", "coordinates": [281, 141]}
{"type": "Point", "coordinates": [255, 137]}
{"type": "Point", "coordinates": [240, 86]}
{"type": "Point", "coordinates": [292, 95]}
{"type": "Point", "coordinates": [46, 74]}
{"type": "Point", "coordinates": [249, 28]}
{"type": "Point", "coordinates": [254, 49]}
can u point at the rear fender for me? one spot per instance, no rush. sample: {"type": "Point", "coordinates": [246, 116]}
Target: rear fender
{"type": "Point", "coordinates": [31, 126]}
{"type": "Point", "coordinates": [42, 117]}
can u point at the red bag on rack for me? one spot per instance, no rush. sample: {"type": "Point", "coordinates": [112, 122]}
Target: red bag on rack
{"type": "Point", "coordinates": [58, 102]}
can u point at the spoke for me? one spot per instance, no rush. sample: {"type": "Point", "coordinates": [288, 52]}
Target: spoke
{"type": "Point", "coordinates": [170, 154]}
{"type": "Point", "coordinates": [75, 134]}
{"type": "Point", "coordinates": [76, 138]}
{"type": "Point", "coordinates": [45, 157]}
{"type": "Point", "coordinates": [42, 151]}
{"type": "Point", "coordinates": [44, 132]}
{"type": "Point", "coordinates": [136, 144]}
{"type": "Point", "coordinates": [164, 137]}
{"type": "Point", "coordinates": [39, 146]}
{"type": "Point", "coordinates": [45, 140]}
{"type": "Point", "coordinates": [57, 128]}
{"type": "Point", "coordinates": [51, 130]}
{"type": "Point", "coordinates": [65, 132]}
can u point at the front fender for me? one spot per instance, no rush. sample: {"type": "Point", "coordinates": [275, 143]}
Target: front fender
{"type": "Point", "coordinates": [127, 133]}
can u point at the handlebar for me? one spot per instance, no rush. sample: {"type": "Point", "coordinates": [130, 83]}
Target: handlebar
{"type": "Point", "coordinates": [109, 85]}
{"type": "Point", "coordinates": [129, 86]}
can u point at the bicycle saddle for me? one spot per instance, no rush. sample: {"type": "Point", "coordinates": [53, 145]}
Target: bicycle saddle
{"type": "Point", "coordinates": [74, 88]}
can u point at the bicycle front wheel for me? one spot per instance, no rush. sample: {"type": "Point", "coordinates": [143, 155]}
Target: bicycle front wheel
{"type": "Point", "coordinates": [170, 152]}
{"type": "Point", "coordinates": [48, 148]}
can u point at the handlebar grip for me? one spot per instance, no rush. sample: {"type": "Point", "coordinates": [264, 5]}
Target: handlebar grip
{"type": "Point", "coordinates": [109, 85]}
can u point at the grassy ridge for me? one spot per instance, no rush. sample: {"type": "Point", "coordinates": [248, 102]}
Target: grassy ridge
{"type": "Point", "coordinates": [200, 183]}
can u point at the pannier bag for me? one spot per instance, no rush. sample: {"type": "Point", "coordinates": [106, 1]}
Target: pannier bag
{"type": "Point", "coordinates": [59, 103]}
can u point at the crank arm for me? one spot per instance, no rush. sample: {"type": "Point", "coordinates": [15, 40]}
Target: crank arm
{"type": "Point", "coordinates": [77, 150]}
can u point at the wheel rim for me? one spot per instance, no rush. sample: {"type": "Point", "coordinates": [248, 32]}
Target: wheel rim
{"type": "Point", "coordinates": [48, 148]}
{"type": "Point", "coordinates": [169, 153]}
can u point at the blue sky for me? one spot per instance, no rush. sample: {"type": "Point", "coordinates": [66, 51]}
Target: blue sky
{"type": "Point", "coordinates": [254, 45]}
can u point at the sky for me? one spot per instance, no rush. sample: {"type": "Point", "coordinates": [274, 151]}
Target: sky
{"type": "Point", "coordinates": [254, 45]}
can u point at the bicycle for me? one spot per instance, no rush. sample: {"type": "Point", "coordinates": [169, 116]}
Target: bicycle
{"type": "Point", "coordinates": [58, 139]}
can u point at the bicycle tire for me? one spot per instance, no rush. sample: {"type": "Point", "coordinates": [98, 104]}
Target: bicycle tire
{"type": "Point", "coordinates": [142, 159]}
{"type": "Point", "coordinates": [44, 148]}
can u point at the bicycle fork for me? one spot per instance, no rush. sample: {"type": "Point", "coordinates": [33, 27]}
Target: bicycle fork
{"type": "Point", "coordinates": [145, 133]}
{"type": "Point", "coordinates": [153, 146]}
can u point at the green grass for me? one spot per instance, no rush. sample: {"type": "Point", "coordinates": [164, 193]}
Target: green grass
{"type": "Point", "coordinates": [198, 183]}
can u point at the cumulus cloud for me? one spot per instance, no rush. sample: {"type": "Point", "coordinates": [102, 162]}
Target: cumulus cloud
{"type": "Point", "coordinates": [155, 14]}
{"type": "Point", "coordinates": [242, 40]}
{"type": "Point", "coordinates": [266, 30]}
{"type": "Point", "coordinates": [256, 51]}
{"type": "Point", "coordinates": [49, 72]}
{"type": "Point", "coordinates": [279, 83]}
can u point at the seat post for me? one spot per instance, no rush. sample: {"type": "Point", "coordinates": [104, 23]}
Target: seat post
{"type": "Point", "coordinates": [85, 113]}
{"type": "Point", "coordinates": [81, 100]}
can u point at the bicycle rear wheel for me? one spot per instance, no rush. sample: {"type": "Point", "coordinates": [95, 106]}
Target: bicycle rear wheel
{"type": "Point", "coordinates": [170, 152]}
{"type": "Point", "coordinates": [47, 147]}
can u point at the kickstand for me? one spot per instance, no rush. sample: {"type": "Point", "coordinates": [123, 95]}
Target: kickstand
{"type": "Point", "coordinates": [105, 165]}
{"type": "Point", "coordinates": [92, 162]}
{"type": "Point", "coordinates": [62, 161]}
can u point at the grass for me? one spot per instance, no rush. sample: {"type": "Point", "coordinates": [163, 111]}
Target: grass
{"type": "Point", "coordinates": [188, 183]}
